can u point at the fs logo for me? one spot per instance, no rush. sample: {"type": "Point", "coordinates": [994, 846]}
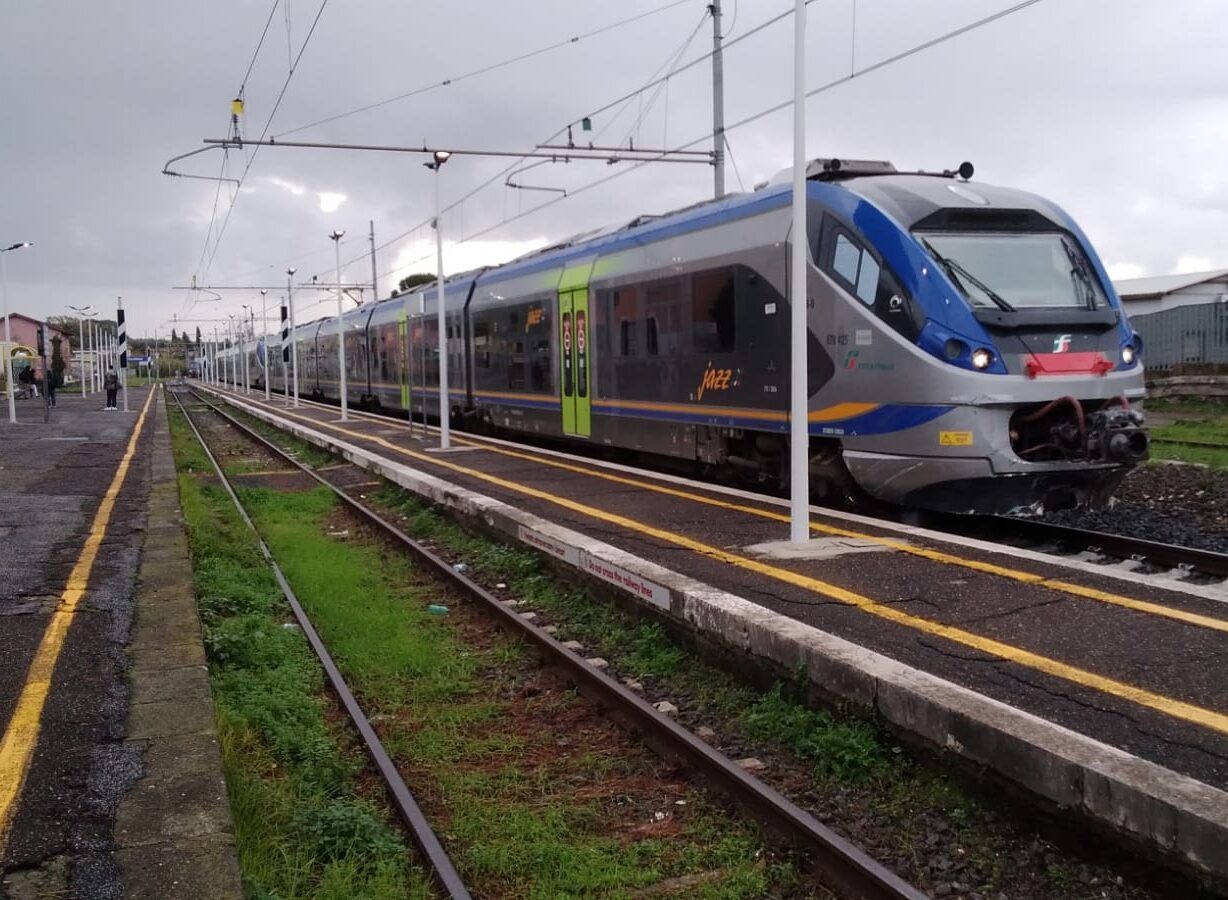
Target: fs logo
{"type": "Point", "coordinates": [1061, 343]}
{"type": "Point", "coordinates": [850, 359]}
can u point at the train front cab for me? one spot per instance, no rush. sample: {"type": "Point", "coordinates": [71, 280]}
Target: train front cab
{"type": "Point", "coordinates": [996, 362]}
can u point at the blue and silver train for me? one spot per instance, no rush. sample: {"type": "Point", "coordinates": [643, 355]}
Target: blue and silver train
{"type": "Point", "coordinates": [966, 349]}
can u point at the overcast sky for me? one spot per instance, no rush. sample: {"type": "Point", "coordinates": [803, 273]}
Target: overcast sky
{"type": "Point", "coordinates": [1115, 109]}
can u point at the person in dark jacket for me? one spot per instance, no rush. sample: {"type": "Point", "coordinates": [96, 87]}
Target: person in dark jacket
{"type": "Point", "coordinates": [53, 383]}
{"type": "Point", "coordinates": [26, 379]}
{"type": "Point", "coordinates": [111, 383]}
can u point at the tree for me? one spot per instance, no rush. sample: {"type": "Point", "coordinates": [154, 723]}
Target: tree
{"type": "Point", "coordinates": [197, 337]}
{"type": "Point", "coordinates": [412, 281]}
{"type": "Point", "coordinates": [174, 337]}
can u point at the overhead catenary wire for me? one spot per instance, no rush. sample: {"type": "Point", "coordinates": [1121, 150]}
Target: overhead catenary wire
{"type": "Point", "coordinates": [652, 82]}
{"type": "Point", "coordinates": [635, 166]}
{"type": "Point", "coordinates": [501, 64]}
{"type": "Point", "coordinates": [813, 92]}
{"type": "Point", "coordinates": [264, 132]}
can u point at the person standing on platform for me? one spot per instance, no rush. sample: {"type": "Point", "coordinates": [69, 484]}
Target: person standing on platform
{"type": "Point", "coordinates": [111, 383]}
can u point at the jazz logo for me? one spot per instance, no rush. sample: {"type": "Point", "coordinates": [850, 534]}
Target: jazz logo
{"type": "Point", "coordinates": [1061, 343]}
{"type": "Point", "coordinates": [535, 317]}
{"type": "Point", "coordinates": [714, 380]}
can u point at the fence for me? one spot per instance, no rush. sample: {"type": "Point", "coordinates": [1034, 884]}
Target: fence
{"type": "Point", "coordinates": [1189, 338]}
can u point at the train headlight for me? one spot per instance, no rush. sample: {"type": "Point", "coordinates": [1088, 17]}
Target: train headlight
{"type": "Point", "coordinates": [1127, 354]}
{"type": "Point", "coordinates": [981, 358]}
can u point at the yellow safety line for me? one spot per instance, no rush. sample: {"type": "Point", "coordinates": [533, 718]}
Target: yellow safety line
{"type": "Point", "coordinates": [1167, 705]}
{"type": "Point", "coordinates": [1078, 590]}
{"type": "Point", "coordinates": [21, 736]}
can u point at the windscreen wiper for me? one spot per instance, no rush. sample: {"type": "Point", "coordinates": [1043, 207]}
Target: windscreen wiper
{"type": "Point", "coordinates": [955, 270]}
{"type": "Point", "coordinates": [1080, 276]}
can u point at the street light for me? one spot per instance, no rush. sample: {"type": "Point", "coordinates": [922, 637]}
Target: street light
{"type": "Point", "coordinates": [293, 343]}
{"type": "Point", "coordinates": [445, 437]}
{"type": "Point", "coordinates": [799, 419]}
{"type": "Point", "coordinates": [264, 336]}
{"type": "Point", "coordinates": [345, 406]}
{"type": "Point", "coordinates": [247, 380]}
{"type": "Point", "coordinates": [8, 335]}
{"type": "Point", "coordinates": [230, 327]}
{"type": "Point", "coordinates": [83, 312]}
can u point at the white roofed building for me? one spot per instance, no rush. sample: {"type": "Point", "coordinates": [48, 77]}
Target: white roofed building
{"type": "Point", "coordinates": [1163, 292]}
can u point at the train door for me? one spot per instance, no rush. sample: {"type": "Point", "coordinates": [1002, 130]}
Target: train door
{"type": "Point", "coordinates": [403, 348]}
{"type": "Point", "coordinates": [574, 357]}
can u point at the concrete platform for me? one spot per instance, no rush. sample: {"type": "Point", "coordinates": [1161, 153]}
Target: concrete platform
{"type": "Point", "coordinates": [89, 757]}
{"type": "Point", "coordinates": [1091, 691]}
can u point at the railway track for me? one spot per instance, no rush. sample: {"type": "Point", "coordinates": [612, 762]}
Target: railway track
{"type": "Point", "coordinates": [1185, 560]}
{"type": "Point", "coordinates": [1177, 442]}
{"type": "Point", "coordinates": [1059, 540]}
{"type": "Point", "coordinates": [416, 824]}
{"type": "Point", "coordinates": [838, 863]}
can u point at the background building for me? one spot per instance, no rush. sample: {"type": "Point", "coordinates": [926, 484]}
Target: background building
{"type": "Point", "coordinates": [1183, 319]}
{"type": "Point", "coordinates": [25, 343]}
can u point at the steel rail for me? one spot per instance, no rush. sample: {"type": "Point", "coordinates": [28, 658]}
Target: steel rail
{"type": "Point", "coordinates": [1174, 556]}
{"type": "Point", "coordinates": [407, 807]}
{"type": "Point", "coordinates": [1207, 445]}
{"type": "Point", "coordinates": [841, 864]}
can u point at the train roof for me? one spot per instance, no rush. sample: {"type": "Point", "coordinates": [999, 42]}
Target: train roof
{"type": "Point", "coordinates": [909, 198]}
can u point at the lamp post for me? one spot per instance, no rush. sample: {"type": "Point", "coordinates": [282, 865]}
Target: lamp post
{"type": "Point", "coordinates": [799, 424]}
{"type": "Point", "coordinates": [345, 406]}
{"type": "Point", "coordinates": [243, 320]}
{"type": "Point", "coordinates": [445, 437]}
{"type": "Point", "coordinates": [230, 331]}
{"type": "Point", "coordinates": [264, 336]}
{"type": "Point", "coordinates": [293, 340]}
{"type": "Point", "coordinates": [82, 313]}
{"type": "Point", "coordinates": [8, 335]}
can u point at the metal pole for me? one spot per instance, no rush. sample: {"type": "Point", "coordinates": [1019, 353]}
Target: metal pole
{"type": "Point", "coordinates": [283, 347]}
{"type": "Point", "coordinates": [409, 364]}
{"type": "Point", "coordinates": [122, 329]}
{"type": "Point", "coordinates": [718, 102]}
{"type": "Point", "coordinates": [81, 335]}
{"type": "Point", "coordinates": [8, 341]}
{"type": "Point", "coordinates": [244, 332]}
{"type": "Point", "coordinates": [444, 431]}
{"type": "Point", "coordinates": [374, 276]}
{"type": "Point", "coordinates": [293, 336]}
{"type": "Point", "coordinates": [44, 339]}
{"type": "Point", "coordinates": [345, 404]}
{"type": "Point", "coordinates": [264, 335]}
{"type": "Point", "coordinates": [799, 426]}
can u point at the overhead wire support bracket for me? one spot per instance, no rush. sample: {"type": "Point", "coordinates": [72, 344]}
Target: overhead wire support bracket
{"type": "Point", "coordinates": [166, 168]}
{"type": "Point", "coordinates": [610, 156]}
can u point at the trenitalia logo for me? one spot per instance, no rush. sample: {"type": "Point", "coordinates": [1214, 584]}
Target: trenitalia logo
{"type": "Point", "coordinates": [1061, 343]}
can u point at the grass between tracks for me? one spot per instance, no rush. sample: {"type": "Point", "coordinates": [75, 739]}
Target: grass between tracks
{"type": "Point", "coordinates": [509, 805]}
{"type": "Point", "coordinates": [900, 807]}
{"type": "Point", "coordinates": [304, 823]}
{"type": "Point", "coordinates": [852, 775]}
{"type": "Point", "coordinates": [1205, 422]}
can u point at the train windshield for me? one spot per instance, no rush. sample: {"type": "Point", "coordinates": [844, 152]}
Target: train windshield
{"type": "Point", "coordinates": [1017, 270]}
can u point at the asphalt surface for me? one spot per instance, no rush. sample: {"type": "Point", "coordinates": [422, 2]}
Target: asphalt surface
{"type": "Point", "coordinates": [52, 479]}
{"type": "Point", "coordinates": [1178, 660]}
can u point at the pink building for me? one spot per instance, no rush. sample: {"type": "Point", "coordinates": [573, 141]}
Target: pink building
{"type": "Point", "coordinates": [25, 343]}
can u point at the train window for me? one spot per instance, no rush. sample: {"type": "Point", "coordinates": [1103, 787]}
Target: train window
{"type": "Point", "coordinates": [626, 338]}
{"type": "Point", "coordinates": [652, 344]}
{"type": "Point", "coordinates": [857, 269]}
{"type": "Point", "coordinates": [713, 311]}
{"type": "Point", "coordinates": [846, 259]}
{"type": "Point", "coordinates": [867, 279]}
